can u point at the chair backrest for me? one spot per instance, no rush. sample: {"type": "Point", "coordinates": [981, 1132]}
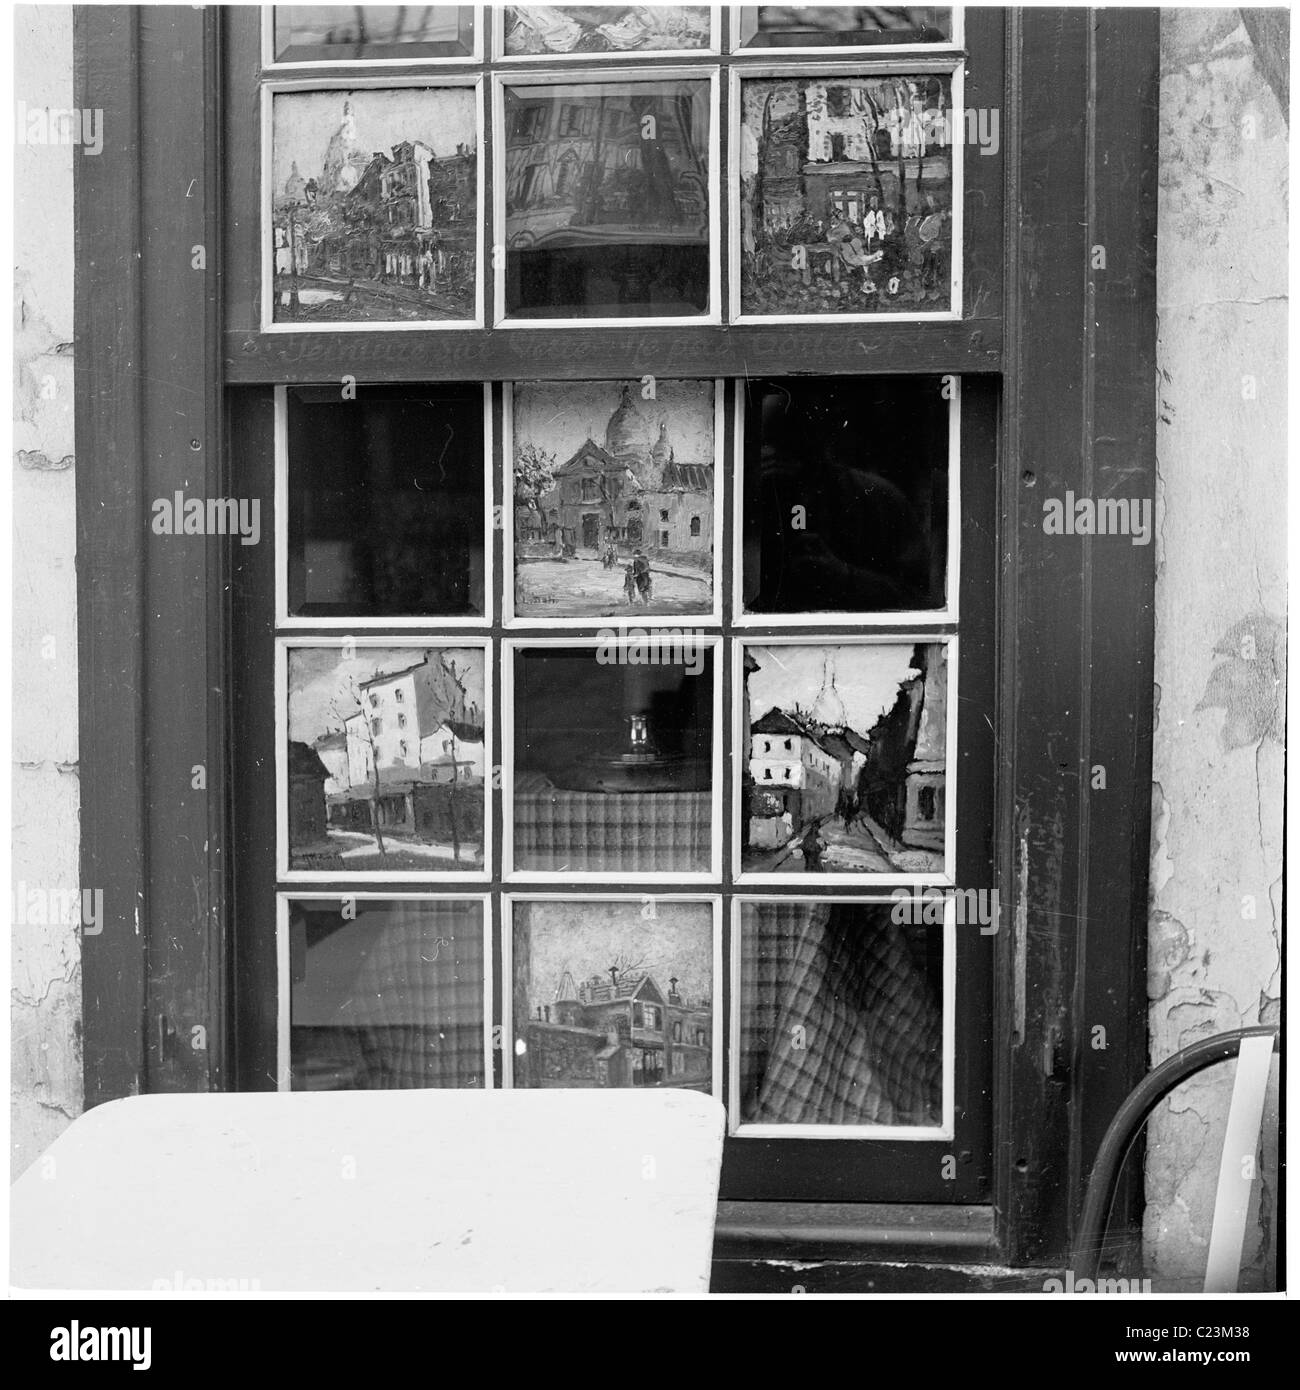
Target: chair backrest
{"type": "Point", "coordinates": [1253, 1048]}
{"type": "Point", "coordinates": [1237, 1164]}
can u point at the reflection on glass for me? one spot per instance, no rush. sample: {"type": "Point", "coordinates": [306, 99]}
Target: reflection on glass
{"type": "Point", "coordinates": [604, 997]}
{"type": "Point", "coordinates": [840, 1016]}
{"type": "Point", "coordinates": [349, 33]}
{"type": "Point", "coordinates": [836, 26]}
{"type": "Point", "coordinates": [387, 994]}
{"type": "Point", "coordinates": [613, 757]}
{"type": "Point", "coordinates": [386, 502]}
{"type": "Point", "coordinates": [582, 29]}
{"type": "Point", "coordinates": [862, 463]}
{"type": "Point", "coordinates": [607, 200]}
{"type": "Point", "coordinates": [846, 195]}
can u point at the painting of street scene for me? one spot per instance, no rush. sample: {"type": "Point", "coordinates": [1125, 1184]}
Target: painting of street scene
{"type": "Point", "coordinates": [607, 199]}
{"type": "Point", "coordinates": [614, 498]}
{"type": "Point", "coordinates": [614, 29]}
{"type": "Point", "coordinates": [374, 205]}
{"type": "Point", "coordinates": [386, 759]}
{"type": "Point", "coordinates": [846, 195]}
{"type": "Point", "coordinates": [847, 758]}
{"type": "Point", "coordinates": [604, 997]}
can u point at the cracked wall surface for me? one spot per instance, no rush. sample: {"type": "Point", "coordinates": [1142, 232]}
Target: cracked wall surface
{"type": "Point", "coordinates": [45, 997]}
{"type": "Point", "coordinates": [1216, 854]}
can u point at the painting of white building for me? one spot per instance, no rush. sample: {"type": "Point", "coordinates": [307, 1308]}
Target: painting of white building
{"type": "Point", "coordinates": [404, 750]}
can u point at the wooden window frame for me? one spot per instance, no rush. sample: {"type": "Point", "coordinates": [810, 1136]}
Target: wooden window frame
{"type": "Point", "coordinates": [1071, 349]}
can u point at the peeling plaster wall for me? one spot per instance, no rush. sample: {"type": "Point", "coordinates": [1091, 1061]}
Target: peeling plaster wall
{"type": "Point", "coordinates": [1216, 859]}
{"type": "Point", "coordinates": [45, 1017]}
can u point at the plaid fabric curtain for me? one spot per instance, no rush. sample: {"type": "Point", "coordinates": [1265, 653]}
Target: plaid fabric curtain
{"type": "Point", "coordinates": [409, 1012]}
{"type": "Point", "coordinates": [838, 1024]}
{"type": "Point", "coordinates": [637, 832]}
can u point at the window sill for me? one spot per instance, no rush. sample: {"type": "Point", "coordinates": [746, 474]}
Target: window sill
{"type": "Point", "coordinates": [848, 1247]}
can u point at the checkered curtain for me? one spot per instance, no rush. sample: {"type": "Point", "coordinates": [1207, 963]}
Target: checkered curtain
{"type": "Point", "coordinates": [838, 1023]}
{"type": "Point", "coordinates": [414, 1016]}
{"type": "Point", "coordinates": [637, 832]}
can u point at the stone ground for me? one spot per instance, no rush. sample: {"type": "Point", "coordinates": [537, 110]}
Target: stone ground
{"type": "Point", "coordinates": [583, 587]}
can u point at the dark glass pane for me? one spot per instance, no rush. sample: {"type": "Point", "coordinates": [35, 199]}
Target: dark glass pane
{"type": "Point", "coordinates": [845, 758]}
{"type": "Point", "coordinates": [846, 195]}
{"type": "Point", "coordinates": [845, 494]}
{"type": "Point", "coordinates": [387, 994]}
{"type": "Point", "coordinates": [834, 26]}
{"type": "Point", "coordinates": [614, 498]}
{"type": "Point", "coordinates": [347, 33]}
{"type": "Point", "coordinates": [386, 502]}
{"type": "Point", "coordinates": [613, 758]}
{"type": "Point", "coordinates": [607, 200]}
{"type": "Point", "coordinates": [583, 29]}
{"type": "Point", "coordinates": [604, 997]}
{"type": "Point", "coordinates": [841, 1018]}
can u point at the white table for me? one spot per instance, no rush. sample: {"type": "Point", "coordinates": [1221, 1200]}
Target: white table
{"type": "Point", "coordinates": [434, 1191]}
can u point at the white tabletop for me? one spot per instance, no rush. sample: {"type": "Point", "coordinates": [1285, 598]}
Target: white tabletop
{"type": "Point", "coordinates": [435, 1191]}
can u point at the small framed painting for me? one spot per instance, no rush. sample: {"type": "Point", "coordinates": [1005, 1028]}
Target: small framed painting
{"type": "Point", "coordinates": [371, 205]}
{"type": "Point", "coordinates": [300, 36]}
{"type": "Point", "coordinates": [383, 992]}
{"type": "Point", "coordinates": [383, 768]}
{"type": "Point", "coordinates": [612, 993]}
{"type": "Point", "coordinates": [549, 32]}
{"type": "Point", "coordinates": [846, 195]}
{"type": "Point", "coordinates": [615, 500]}
{"type": "Point", "coordinates": [846, 759]}
{"type": "Point", "coordinates": [604, 198]}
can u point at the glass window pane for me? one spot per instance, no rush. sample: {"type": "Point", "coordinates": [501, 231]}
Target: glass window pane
{"type": "Point", "coordinates": [607, 200]}
{"type": "Point", "coordinates": [845, 494]}
{"type": "Point", "coordinates": [603, 997]}
{"type": "Point", "coordinates": [613, 758]}
{"type": "Point", "coordinates": [353, 33]}
{"type": "Point", "coordinates": [842, 26]}
{"type": "Point", "coordinates": [846, 195]}
{"type": "Point", "coordinates": [387, 994]}
{"type": "Point", "coordinates": [387, 760]}
{"type": "Point", "coordinates": [386, 505]}
{"type": "Point", "coordinates": [841, 741]}
{"type": "Point", "coordinates": [559, 30]}
{"type": "Point", "coordinates": [841, 1019]}
{"type": "Point", "coordinates": [374, 205]}
{"type": "Point", "coordinates": [614, 498]}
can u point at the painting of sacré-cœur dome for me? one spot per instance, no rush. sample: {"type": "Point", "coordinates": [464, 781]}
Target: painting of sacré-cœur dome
{"type": "Point", "coordinates": [614, 489]}
{"type": "Point", "coordinates": [374, 205]}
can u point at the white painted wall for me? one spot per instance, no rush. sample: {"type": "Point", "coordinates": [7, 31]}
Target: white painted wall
{"type": "Point", "coordinates": [46, 1087]}
{"type": "Point", "coordinates": [1216, 872]}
